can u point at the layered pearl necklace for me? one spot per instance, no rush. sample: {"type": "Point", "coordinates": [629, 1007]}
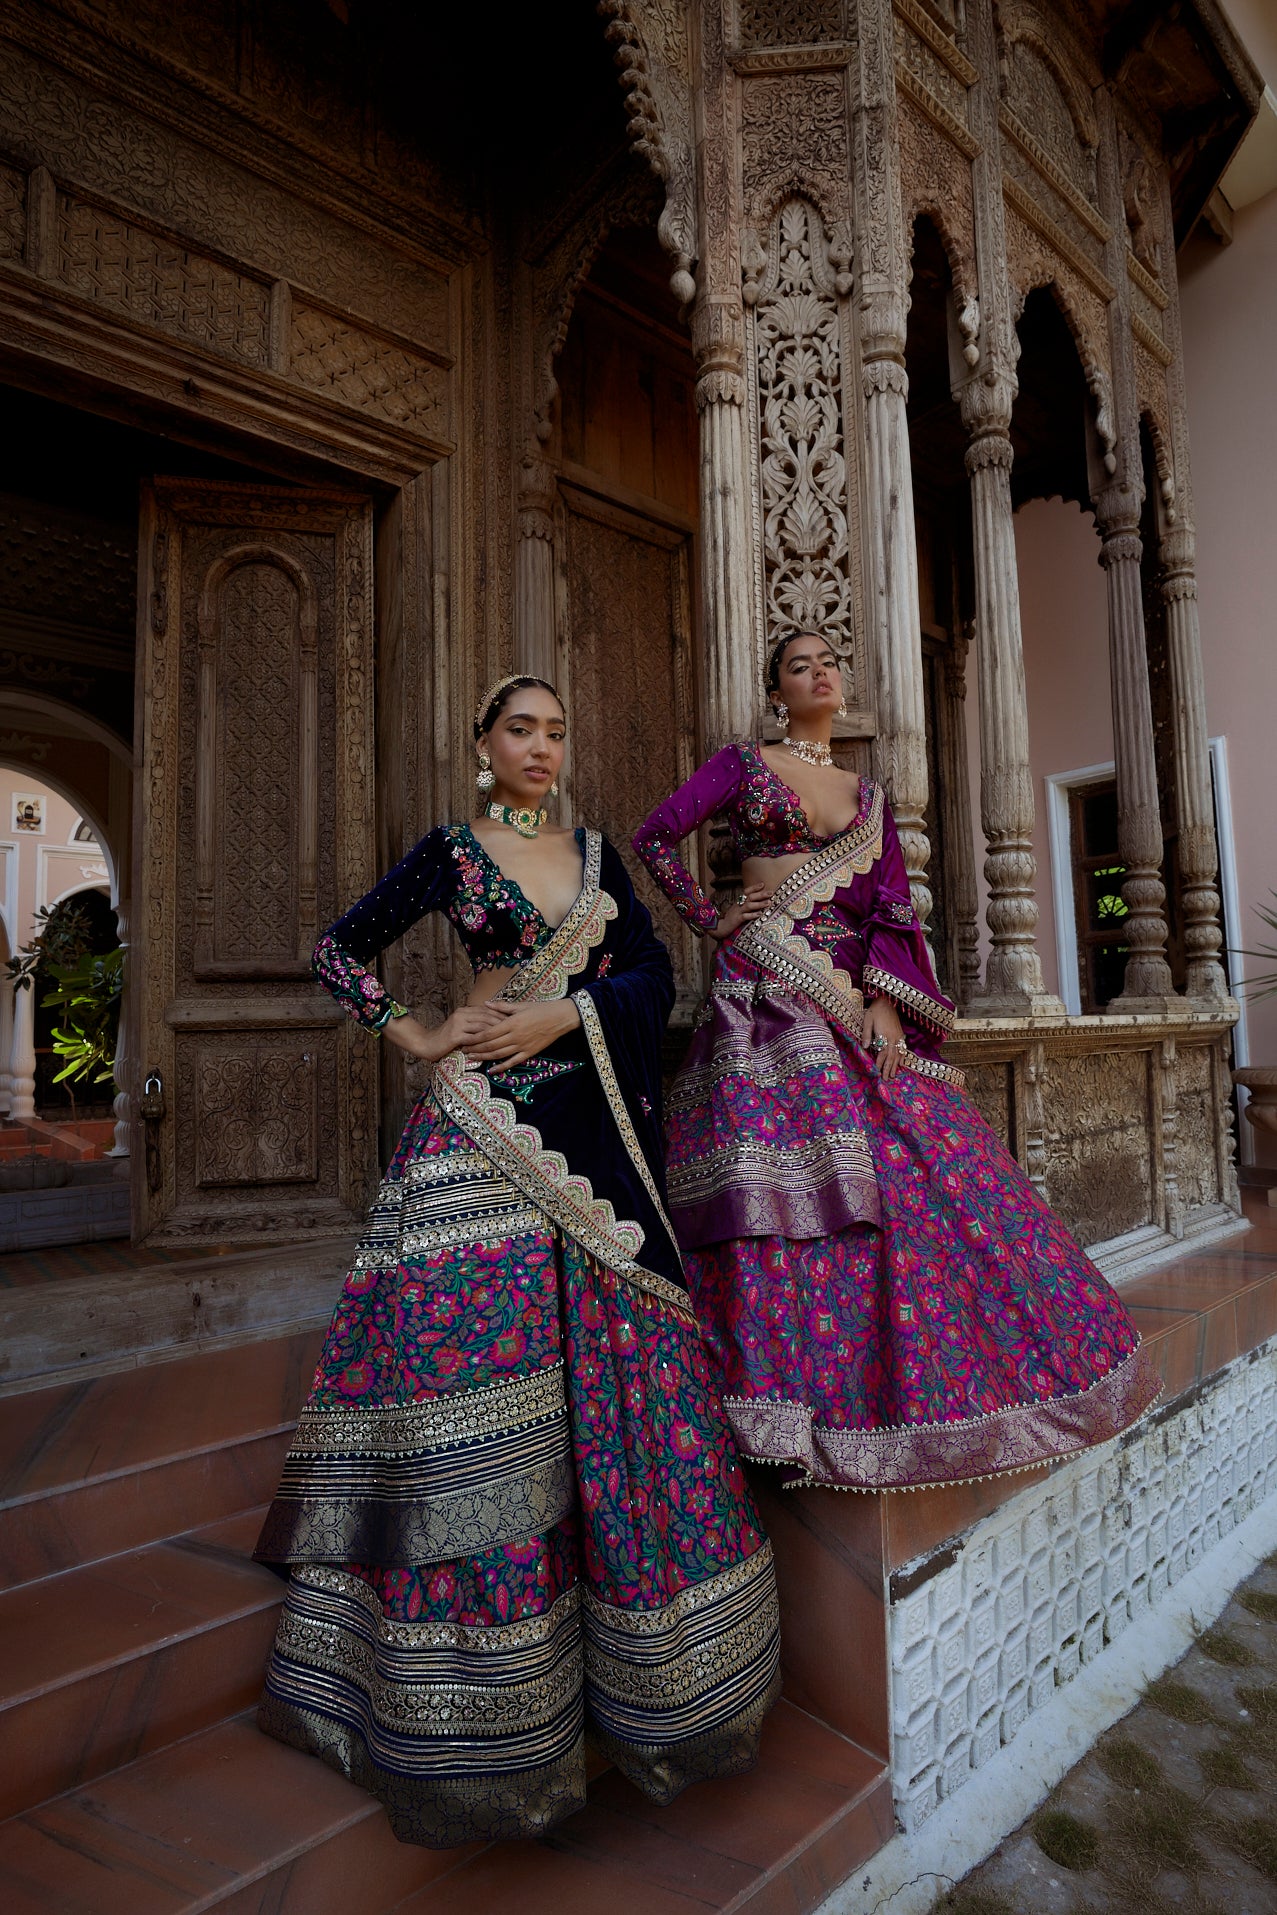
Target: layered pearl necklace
{"type": "Point", "coordinates": [810, 750]}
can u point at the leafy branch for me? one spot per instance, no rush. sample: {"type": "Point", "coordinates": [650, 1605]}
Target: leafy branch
{"type": "Point", "coordinates": [1266, 984]}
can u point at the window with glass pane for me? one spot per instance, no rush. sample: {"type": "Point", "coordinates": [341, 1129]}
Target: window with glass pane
{"type": "Point", "coordinates": [1097, 893]}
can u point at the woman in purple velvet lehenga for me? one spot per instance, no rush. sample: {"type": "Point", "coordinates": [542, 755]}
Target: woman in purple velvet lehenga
{"type": "Point", "coordinates": [512, 1507]}
{"type": "Point", "coordinates": [887, 1301]}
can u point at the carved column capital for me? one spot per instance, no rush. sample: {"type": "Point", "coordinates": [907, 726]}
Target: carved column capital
{"type": "Point", "coordinates": [718, 345]}
{"type": "Point", "coordinates": [1121, 548]}
{"type": "Point", "coordinates": [992, 448]}
{"type": "Point", "coordinates": [1117, 511]}
{"type": "Point", "coordinates": [538, 489]}
{"type": "Point", "coordinates": [985, 404]}
{"type": "Point", "coordinates": [1177, 552]}
{"type": "Point", "coordinates": [883, 323]}
{"type": "Point", "coordinates": [884, 375]}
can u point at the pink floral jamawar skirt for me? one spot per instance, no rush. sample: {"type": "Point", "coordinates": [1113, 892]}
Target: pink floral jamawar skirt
{"type": "Point", "coordinates": [886, 1300]}
{"type": "Point", "coordinates": [512, 1510]}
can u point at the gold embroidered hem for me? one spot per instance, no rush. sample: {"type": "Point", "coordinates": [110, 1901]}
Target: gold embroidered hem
{"type": "Point", "coordinates": [437, 1812]}
{"type": "Point", "coordinates": [729, 1749]}
{"type": "Point", "coordinates": [930, 1455]}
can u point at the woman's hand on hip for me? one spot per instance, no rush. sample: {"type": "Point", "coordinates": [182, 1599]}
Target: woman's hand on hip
{"type": "Point", "coordinates": [520, 1031]}
{"type": "Point", "coordinates": [465, 1027]}
{"type": "Point", "coordinates": [748, 905]}
{"type": "Point", "coordinates": [882, 1021]}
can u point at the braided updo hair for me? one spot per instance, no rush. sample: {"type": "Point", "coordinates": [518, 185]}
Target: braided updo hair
{"type": "Point", "coordinates": [495, 702]}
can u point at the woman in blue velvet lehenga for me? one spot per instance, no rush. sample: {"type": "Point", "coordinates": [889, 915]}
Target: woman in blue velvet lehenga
{"type": "Point", "coordinates": [513, 1507]}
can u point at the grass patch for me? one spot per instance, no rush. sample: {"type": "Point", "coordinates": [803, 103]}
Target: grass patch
{"type": "Point", "coordinates": [972, 1901]}
{"type": "Point", "coordinates": [1224, 1769]}
{"type": "Point", "coordinates": [1179, 1701]}
{"type": "Point", "coordinates": [1256, 1839]}
{"type": "Point", "coordinates": [1222, 1646]}
{"type": "Point", "coordinates": [1064, 1839]}
{"type": "Point", "coordinates": [1260, 1603]}
{"type": "Point", "coordinates": [1160, 1833]}
{"type": "Point", "coordinates": [1125, 1763]}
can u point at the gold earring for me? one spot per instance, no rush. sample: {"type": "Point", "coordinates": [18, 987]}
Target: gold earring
{"type": "Point", "coordinates": [781, 710]}
{"type": "Point", "coordinates": [485, 779]}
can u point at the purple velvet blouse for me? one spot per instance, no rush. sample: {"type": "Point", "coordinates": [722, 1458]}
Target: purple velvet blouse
{"type": "Point", "coordinates": [869, 927]}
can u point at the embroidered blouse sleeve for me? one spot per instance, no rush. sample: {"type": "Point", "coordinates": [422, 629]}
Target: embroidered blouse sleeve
{"type": "Point", "coordinates": [706, 793]}
{"type": "Point", "coordinates": [897, 961]}
{"type": "Point", "coordinates": [419, 883]}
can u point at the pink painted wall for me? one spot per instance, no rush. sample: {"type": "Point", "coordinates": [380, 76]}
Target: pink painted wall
{"type": "Point", "coordinates": [1063, 618]}
{"type": "Point", "coordinates": [1229, 296]}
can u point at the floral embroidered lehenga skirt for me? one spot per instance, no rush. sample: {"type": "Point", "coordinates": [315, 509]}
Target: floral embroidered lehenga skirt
{"type": "Point", "coordinates": [887, 1301]}
{"type": "Point", "coordinates": [512, 1509]}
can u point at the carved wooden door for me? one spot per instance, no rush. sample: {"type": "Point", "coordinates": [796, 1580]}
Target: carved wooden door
{"type": "Point", "coordinates": [255, 829]}
{"type": "Point", "coordinates": [627, 625]}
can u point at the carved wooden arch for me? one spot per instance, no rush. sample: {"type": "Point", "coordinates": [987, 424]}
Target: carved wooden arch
{"type": "Point", "coordinates": [1090, 352]}
{"type": "Point", "coordinates": [1021, 23]}
{"type": "Point", "coordinates": [563, 268]}
{"type": "Point", "coordinates": [653, 58]}
{"type": "Point", "coordinates": [235, 559]}
{"type": "Point", "coordinates": [1164, 464]}
{"type": "Point", "coordinates": [962, 267]}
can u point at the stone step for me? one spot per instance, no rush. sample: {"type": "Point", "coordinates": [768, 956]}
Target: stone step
{"type": "Point", "coordinates": [108, 1662]}
{"type": "Point", "coordinates": [227, 1819]}
{"type": "Point", "coordinates": [777, 1841]}
{"type": "Point", "coordinates": [89, 1469]}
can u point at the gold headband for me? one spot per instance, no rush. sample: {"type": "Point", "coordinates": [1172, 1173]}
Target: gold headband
{"type": "Point", "coordinates": [493, 692]}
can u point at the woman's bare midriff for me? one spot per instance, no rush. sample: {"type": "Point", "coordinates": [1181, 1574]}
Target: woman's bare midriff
{"type": "Point", "coordinates": [769, 872]}
{"type": "Point", "coordinates": [488, 983]}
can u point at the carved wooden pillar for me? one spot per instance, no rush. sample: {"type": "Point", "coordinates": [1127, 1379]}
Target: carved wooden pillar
{"type": "Point", "coordinates": [1147, 984]}
{"type": "Point", "coordinates": [535, 645]}
{"type": "Point", "coordinates": [732, 651]}
{"type": "Point", "coordinates": [1198, 853]}
{"type": "Point", "coordinates": [1013, 982]}
{"type": "Point", "coordinates": [956, 796]}
{"type": "Point", "coordinates": [891, 552]}
{"type": "Point", "coordinates": [733, 692]}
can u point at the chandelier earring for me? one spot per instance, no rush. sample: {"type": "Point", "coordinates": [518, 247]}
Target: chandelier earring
{"type": "Point", "coordinates": [842, 706]}
{"type": "Point", "coordinates": [781, 710]}
{"type": "Point", "coordinates": [485, 778]}
{"type": "Point", "coordinates": [554, 789]}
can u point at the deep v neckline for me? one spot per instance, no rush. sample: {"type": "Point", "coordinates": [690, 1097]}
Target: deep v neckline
{"type": "Point", "coordinates": [864, 789]}
{"type": "Point", "coordinates": [504, 875]}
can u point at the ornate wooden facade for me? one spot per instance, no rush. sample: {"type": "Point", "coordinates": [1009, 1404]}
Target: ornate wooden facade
{"type": "Point", "coordinates": [404, 395]}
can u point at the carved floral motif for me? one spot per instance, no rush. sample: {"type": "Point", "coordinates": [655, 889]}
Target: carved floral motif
{"type": "Point", "coordinates": [803, 477]}
{"type": "Point", "coordinates": [794, 140]}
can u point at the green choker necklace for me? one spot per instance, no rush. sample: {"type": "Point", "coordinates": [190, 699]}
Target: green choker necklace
{"type": "Point", "coordinates": [526, 823]}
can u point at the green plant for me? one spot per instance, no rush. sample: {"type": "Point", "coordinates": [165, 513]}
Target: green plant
{"type": "Point", "coordinates": [1266, 985]}
{"type": "Point", "coordinates": [87, 992]}
{"type": "Point", "coordinates": [62, 937]}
